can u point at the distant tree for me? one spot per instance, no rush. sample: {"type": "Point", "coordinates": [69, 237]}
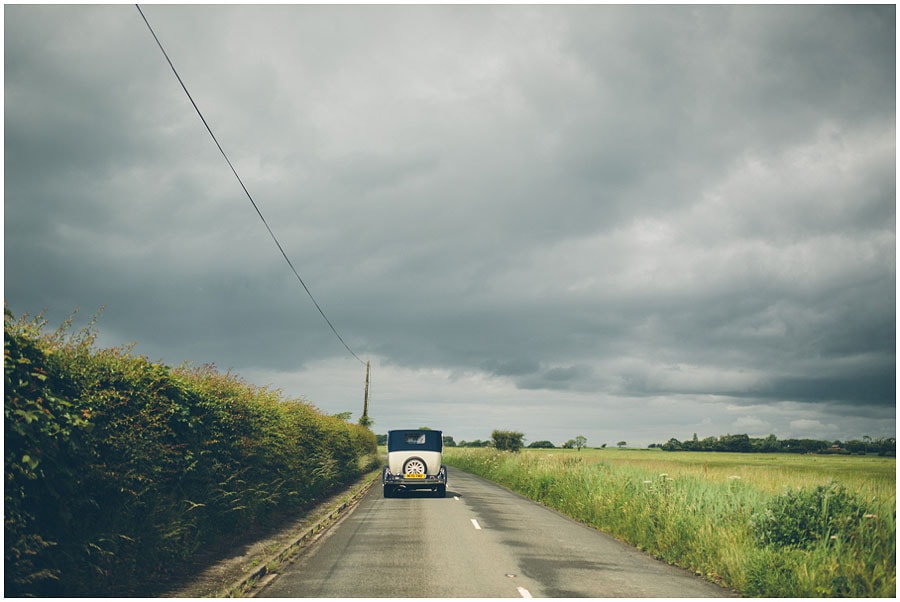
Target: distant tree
{"type": "Point", "coordinates": [541, 445]}
{"type": "Point", "coordinates": [735, 443]}
{"type": "Point", "coordinates": [603, 446]}
{"type": "Point", "coordinates": [672, 444]}
{"type": "Point", "coordinates": [343, 415]}
{"type": "Point", "coordinates": [570, 444]}
{"type": "Point", "coordinates": [855, 446]}
{"type": "Point", "coordinates": [622, 443]}
{"type": "Point", "coordinates": [448, 441]}
{"type": "Point", "coordinates": [697, 444]}
{"type": "Point", "coordinates": [769, 444]}
{"type": "Point", "coordinates": [475, 443]}
{"type": "Point", "coordinates": [366, 421]}
{"type": "Point", "coordinates": [381, 439]}
{"type": "Point", "coordinates": [507, 440]}
{"type": "Point", "coordinates": [580, 441]}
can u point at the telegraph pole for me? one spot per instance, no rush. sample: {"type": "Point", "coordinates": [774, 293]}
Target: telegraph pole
{"type": "Point", "coordinates": [365, 415]}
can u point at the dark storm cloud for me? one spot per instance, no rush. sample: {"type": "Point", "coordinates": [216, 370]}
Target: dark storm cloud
{"type": "Point", "coordinates": [683, 212]}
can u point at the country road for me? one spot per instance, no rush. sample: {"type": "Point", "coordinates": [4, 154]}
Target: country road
{"type": "Point", "coordinates": [479, 541]}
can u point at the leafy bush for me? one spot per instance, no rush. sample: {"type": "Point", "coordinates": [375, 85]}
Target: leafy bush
{"type": "Point", "coordinates": [116, 467]}
{"type": "Point", "coordinates": [801, 518]}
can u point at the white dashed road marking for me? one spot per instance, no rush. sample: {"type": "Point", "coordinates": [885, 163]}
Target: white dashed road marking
{"type": "Point", "coordinates": [476, 525]}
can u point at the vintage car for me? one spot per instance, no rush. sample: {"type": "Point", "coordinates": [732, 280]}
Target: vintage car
{"type": "Point", "coordinates": [414, 462]}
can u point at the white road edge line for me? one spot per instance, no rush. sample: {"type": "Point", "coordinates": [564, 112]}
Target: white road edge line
{"type": "Point", "coordinates": [476, 525]}
{"type": "Point", "coordinates": [524, 592]}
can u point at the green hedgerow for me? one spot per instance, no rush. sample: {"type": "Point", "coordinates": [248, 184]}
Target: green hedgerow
{"type": "Point", "coordinates": [118, 468]}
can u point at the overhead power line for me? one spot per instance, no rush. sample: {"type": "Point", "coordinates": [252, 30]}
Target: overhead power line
{"type": "Point", "coordinates": [247, 192]}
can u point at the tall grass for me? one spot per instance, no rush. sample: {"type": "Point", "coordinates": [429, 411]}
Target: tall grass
{"type": "Point", "coordinates": [714, 513]}
{"type": "Point", "coordinates": [117, 468]}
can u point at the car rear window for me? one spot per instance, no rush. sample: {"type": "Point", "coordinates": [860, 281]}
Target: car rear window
{"type": "Point", "coordinates": [407, 440]}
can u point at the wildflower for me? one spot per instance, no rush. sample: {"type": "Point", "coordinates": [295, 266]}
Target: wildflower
{"type": "Point", "coordinates": [648, 482]}
{"type": "Point", "coordinates": [663, 475]}
{"type": "Point", "coordinates": [870, 515]}
{"type": "Point", "coordinates": [734, 477]}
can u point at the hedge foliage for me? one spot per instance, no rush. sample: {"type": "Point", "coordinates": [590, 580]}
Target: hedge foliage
{"type": "Point", "coordinates": [117, 467]}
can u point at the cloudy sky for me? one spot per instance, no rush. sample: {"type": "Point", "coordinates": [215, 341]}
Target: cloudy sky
{"type": "Point", "coordinates": [628, 223]}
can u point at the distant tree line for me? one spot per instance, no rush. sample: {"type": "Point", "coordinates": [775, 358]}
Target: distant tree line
{"type": "Point", "coordinates": [474, 443]}
{"type": "Point", "coordinates": [503, 440]}
{"type": "Point", "coordinates": [744, 443]}
{"type": "Point", "coordinates": [513, 441]}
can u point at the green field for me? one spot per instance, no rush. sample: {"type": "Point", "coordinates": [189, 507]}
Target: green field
{"type": "Point", "coordinates": [769, 472]}
{"type": "Point", "coordinates": [772, 525]}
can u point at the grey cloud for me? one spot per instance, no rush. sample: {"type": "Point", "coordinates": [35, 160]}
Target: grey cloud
{"type": "Point", "coordinates": [514, 367]}
{"type": "Point", "coordinates": [607, 205]}
{"type": "Point", "coordinates": [866, 387]}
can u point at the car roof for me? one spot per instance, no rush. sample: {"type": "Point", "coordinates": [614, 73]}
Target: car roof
{"type": "Point", "coordinates": [414, 431]}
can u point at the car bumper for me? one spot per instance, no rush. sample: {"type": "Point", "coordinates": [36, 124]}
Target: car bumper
{"type": "Point", "coordinates": [426, 482]}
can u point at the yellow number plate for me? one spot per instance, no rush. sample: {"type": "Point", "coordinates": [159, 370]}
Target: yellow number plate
{"type": "Point", "coordinates": [413, 475]}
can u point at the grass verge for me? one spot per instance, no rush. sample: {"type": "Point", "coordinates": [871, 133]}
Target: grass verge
{"type": "Point", "coordinates": [780, 528]}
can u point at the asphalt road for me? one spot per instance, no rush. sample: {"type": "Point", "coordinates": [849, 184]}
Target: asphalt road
{"type": "Point", "coordinates": [481, 541]}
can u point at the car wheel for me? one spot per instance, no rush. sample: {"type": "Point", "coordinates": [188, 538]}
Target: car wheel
{"type": "Point", "coordinates": [414, 466]}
